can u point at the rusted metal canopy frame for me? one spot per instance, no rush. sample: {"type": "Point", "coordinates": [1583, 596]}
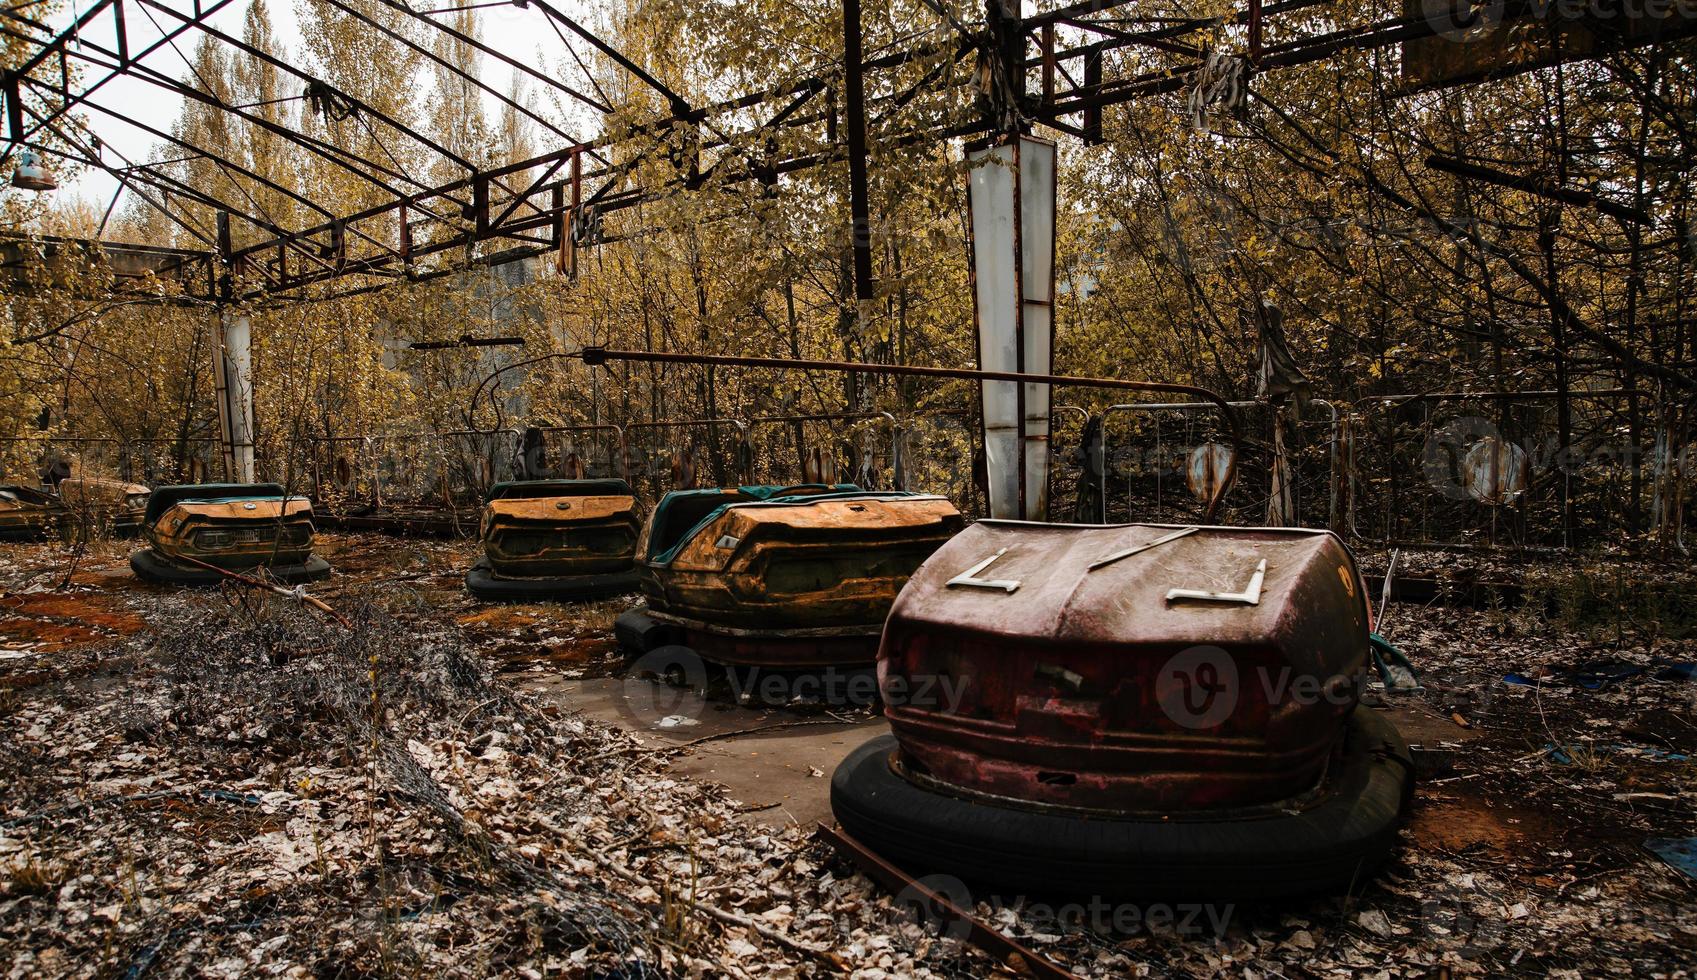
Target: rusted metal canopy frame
{"type": "Point", "coordinates": [1333, 482]}
{"type": "Point", "coordinates": [449, 66]}
{"type": "Point", "coordinates": [606, 202]}
{"type": "Point", "coordinates": [130, 177]}
{"type": "Point", "coordinates": [321, 147]}
{"type": "Point", "coordinates": [595, 356]}
{"type": "Point", "coordinates": [1359, 410]}
{"type": "Point", "coordinates": [60, 45]}
{"type": "Point", "coordinates": [131, 67]}
{"type": "Point", "coordinates": [126, 64]}
{"type": "Point", "coordinates": [122, 62]}
{"type": "Point", "coordinates": [1299, 52]}
{"type": "Point", "coordinates": [1050, 110]}
{"type": "Point", "coordinates": [173, 185]}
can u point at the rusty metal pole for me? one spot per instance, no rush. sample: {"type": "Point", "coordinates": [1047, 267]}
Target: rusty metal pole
{"type": "Point", "coordinates": [854, 112]}
{"type": "Point", "coordinates": [1255, 29]}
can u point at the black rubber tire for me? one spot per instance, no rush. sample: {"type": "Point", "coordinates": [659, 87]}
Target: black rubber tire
{"type": "Point", "coordinates": [481, 581]}
{"type": "Point", "coordinates": [638, 633]}
{"type": "Point", "coordinates": [1331, 847]}
{"type": "Point", "coordinates": [150, 567]}
{"type": "Point", "coordinates": [22, 535]}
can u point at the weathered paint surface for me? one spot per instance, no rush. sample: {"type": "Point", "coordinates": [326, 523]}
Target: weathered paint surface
{"type": "Point", "coordinates": [1091, 689]}
{"type": "Point", "coordinates": [560, 536]}
{"type": "Point", "coordinates": [26, 513]}
{"type": "Point", "coordinates": [830, 568]}
{"type": "Point", "coordinates": [115, 501]}
{"type": "Point", "coordinates": [236, 533]}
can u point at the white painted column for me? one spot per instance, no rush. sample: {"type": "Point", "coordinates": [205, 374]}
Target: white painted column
{"type": "Point", "coordinates": [1011, 189]}
{"type": "Point", "coordinates": [232, 371]}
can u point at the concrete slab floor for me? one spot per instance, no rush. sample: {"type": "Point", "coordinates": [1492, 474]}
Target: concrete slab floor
{"type": "Point", "coordinates": [777, 762]}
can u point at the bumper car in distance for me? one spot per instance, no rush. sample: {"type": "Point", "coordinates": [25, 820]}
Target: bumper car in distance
{"type": "Point", "coordinates": [780, 577]}
{"type": "Point", "coordinates": [240, 527]}
{"type": "Point", "coordinates": [27, 514]}
{"type": "Point", "coordinates": [1130, 711]}
{"type": "Point", "coordinates": [557, 539]}
{"type": "Point", "coordinates": [104, 505]}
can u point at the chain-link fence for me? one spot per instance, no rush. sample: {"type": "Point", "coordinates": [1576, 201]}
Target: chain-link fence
{"type": "Point", "coordinates": [1477, 469]}
{"type": "Point", "coordinates": [940, 453]}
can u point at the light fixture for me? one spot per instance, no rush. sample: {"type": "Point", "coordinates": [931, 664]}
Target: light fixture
{"type": "Point", "coordinates": [32, 173]}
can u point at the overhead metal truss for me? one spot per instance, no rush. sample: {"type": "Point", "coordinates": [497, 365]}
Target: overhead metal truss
{"type": "Point", "coordinates": [1059, 69]}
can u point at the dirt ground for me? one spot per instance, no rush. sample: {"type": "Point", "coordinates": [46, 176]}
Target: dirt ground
{"type": "Point", "coordinates": [224, 783]}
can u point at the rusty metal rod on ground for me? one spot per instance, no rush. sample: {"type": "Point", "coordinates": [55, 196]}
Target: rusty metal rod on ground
{"type": "Point", "coordinates": [597, 356]}
{"type": "Point", "coordinates": [251, 582]}
{"type": "Point", "coordinates": [1005, 949]}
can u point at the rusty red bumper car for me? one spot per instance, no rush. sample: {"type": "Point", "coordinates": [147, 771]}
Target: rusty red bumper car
{"type": "Point", "coordinates": [556, 539]}
{"type": "Point", "coordinates": [1130, 711]}
{"type": "Point", "coordinates": [783, 577]}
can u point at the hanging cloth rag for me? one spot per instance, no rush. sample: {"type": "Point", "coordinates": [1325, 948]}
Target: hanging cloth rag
{"type": "Point", "coordinates": [1223, 80]}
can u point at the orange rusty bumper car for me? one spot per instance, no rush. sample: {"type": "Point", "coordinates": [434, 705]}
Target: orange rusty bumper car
{"type": "Point", "coordinates": [241, 527]}
{"type": "Point", "coordinates": [782, 577]}
{"type": "Point", "coordinates": [556, 539]}
{"type": "Point", "coordinates": [100, 504]}
{"type": "Point", "coordinates": [27, 514]}
{"type": "Point", "coordinates": [1130, 711]}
